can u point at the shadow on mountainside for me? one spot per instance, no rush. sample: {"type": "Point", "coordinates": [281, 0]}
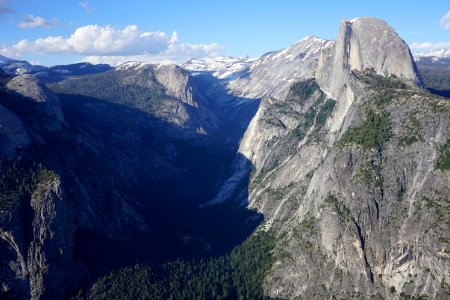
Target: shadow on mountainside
{"type": "Point", "coordinates": [236, 111]}
{"type": "Point", "coordinates": [108, 153]}
{"type": "Point", "coordinates": [167, 200]}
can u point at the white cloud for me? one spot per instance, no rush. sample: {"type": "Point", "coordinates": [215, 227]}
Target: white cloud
{"type": "Point", "coordinates": [86, 7]}
{"type": "Point", "coordinates": [31, 21]}
{"type": "Point", "coordinates": [445, 20]}
{"type": "Point", "coordinates": [441, 49]}
{"type": "Point", "coordinates": [173, 54]}
{"type": "Point", "coordinates": [112, 45]}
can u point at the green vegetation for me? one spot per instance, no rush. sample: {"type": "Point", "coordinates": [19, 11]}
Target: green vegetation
{"type": "Point", "coordinates": [407, 140]}
{"type": "Point", "coordinates": [379, 82]}
{"type": "Point", "coordinates": [370, 173]}
{"type": "Point", "coordinates": [440, 206]}
{"type": "Point", "coordinates": [275, 194]}
{"type": "Point", "coordinates": [143, 92]}
{"type": "Point", "coordinates": [443, 161]}
{"type": "Point", "coordinates": [412, 128]}
{"type": "Point", "coordinates": [374, 132]}
{"type": "Point", "coordinates": [436, 80]}
{"type": "Point", "coordinates": [303, 90]}
{"type": "Point", "coordinates": [324, 113]}
{"type": "Point", "coordinates": [317, 113]}
{"type": "Point", "coordinates": [238, 275]}
{"type": "Point", "coordinates": [311, 114]}
{"type": "Point", "coordinates": [18, 180]}
{"type": "Point", "coordinates": [343, 211]}
{"type": "Point", "coordinates": [296, 132]}
{"type": "Point", "coordinates": [403, 295]}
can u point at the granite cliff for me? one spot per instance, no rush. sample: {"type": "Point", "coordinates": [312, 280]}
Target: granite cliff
{"type": "Point", "coordinates": [348, 169]}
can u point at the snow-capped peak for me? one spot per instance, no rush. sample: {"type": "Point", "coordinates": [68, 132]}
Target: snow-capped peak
{"type": "Point", "coordinates": [220, 66]}
{"type": "Point", "coordinates": [138, 65]}
{"type": "Point", "coordinates": [130, 65]}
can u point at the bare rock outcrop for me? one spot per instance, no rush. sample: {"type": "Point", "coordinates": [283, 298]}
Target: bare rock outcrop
{"type": "Point", "coordinates": [35, 98]}
{"type": "Point", "coordinates": [365, 43]}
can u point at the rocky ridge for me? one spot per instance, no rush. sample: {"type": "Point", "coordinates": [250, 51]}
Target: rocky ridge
{"type": "Point", "coordinates": [167, 92]}
{"type": "Point", "coordinates": [253, 78]}
{"type": "Point", "coordinates": [354, 215]}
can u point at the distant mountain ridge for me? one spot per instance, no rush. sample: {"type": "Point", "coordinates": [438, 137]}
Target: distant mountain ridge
{"type": "Point", "coordinates": [253, 78]}
{"type": "Point", "coordinates": [54, 73]}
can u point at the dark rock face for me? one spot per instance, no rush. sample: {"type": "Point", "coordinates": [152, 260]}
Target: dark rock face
{"type": "Point", "coordinates": [12, 133]}
{"type": "Point", "coordinates": [50, 251]}
{"type": "Point", "coordinates": [36, 241]}
{"type": "Point", "coordinates": [120, 167]}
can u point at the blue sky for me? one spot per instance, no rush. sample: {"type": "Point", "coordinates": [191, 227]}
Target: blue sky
{"type": "Point", "coordinates": [59, 32]}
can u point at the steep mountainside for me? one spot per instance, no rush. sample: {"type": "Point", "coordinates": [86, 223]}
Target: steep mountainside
{"type": "Point", "coordinates": [165, 91]}
{"type": "Point", "coordinates": [239, 84]}
{"type": "Point", "coordinates": [107, 172]}
{"type": "Point", "coordinates": [351, 170]}
{"type": "Point", "coordinates": [125, 182]}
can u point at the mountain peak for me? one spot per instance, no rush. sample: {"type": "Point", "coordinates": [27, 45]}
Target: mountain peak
{"type": "Point", "coordinates": [365, 43]}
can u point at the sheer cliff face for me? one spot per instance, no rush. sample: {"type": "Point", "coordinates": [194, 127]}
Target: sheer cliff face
{"type": "Point", "coordinates": [364, 43]}
{"type": "Point", "coordinates": [346, 170]}
{"type": "Point", "coordinates": [35, 259]}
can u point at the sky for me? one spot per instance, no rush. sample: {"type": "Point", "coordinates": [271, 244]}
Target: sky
{"type": "Point", "coordinates": [51, 32]}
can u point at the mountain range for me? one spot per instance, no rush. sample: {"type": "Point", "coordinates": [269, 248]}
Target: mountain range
{"type": "Point", "coordinates": [319, 171]}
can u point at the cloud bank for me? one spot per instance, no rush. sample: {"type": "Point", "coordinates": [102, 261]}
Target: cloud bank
{"type": "Point", "coordinates": [108, 44]}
